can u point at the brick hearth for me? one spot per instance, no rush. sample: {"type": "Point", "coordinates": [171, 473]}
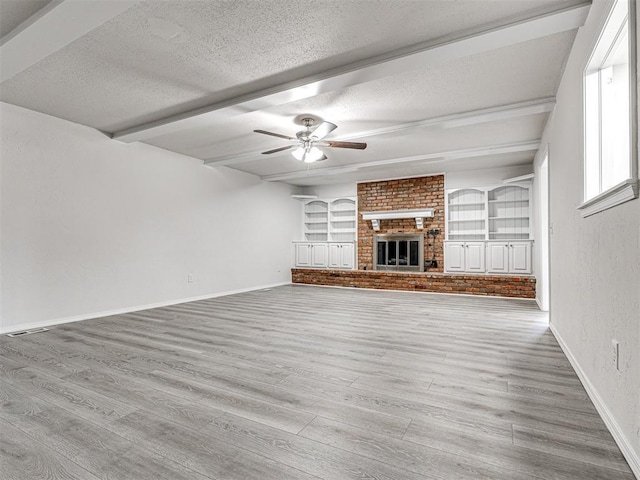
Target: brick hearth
{"type": "Point", "coordinates": [497, 285]}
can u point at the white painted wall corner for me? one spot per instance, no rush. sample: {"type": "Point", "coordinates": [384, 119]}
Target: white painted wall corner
{"type": "Point", "coordinates": [632, 457]}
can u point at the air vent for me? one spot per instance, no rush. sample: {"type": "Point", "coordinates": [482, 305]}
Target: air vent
{"type": "Point", "coordinates": [27, 332]}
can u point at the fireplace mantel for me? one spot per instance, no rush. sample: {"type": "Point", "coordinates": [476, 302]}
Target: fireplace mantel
{"type": "Point", "coordinates": [419, 215]}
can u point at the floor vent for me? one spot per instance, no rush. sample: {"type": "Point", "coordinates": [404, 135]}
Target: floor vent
{"type": "Point", "coordinates": [27, 332]}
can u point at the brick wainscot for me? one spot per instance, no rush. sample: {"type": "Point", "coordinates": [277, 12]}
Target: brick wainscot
{"type": "Point", "coordinates": [497, 285]}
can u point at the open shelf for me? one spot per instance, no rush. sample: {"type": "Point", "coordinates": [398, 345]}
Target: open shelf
{"type": "Point", "coordinates": [465, 220]}
{"type": "Point", "coordinates": [467, 204]}
{"type": "Point", "coordinates": [488, 213]}
{"type": "Point", "coordinates": [330, 220]}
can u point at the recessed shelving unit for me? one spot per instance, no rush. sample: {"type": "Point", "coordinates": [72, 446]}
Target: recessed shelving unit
{"type": "Point", "coordinates": [488, 230]}
{"type": "Point", "coordinates": [509, 215]}
{"type": "Point", "coordinates": [501, 213]}
{"type": "Point", "coordinates": [342, 220]}
{"type": "Point", "coordinates": [329, 232]}
{"type": "Point", "coordinates": [316, 216]}
{"type": "Point", "coordinates": [466, 215]}
{"type": "Point", "coordinates": [330, 220]}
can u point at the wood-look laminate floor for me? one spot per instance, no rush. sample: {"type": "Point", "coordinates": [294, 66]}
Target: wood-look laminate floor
{"type": "Point", "coordinates": [302, 382]}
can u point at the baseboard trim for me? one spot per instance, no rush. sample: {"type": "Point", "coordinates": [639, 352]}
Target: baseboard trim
{"type": "Point", "coordinates": [79, 318]}
{"type": "Point", "coordinates": [624, 444]}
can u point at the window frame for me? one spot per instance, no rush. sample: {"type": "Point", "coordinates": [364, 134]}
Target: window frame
{"type": "Point", "coordinates": [627, 189]}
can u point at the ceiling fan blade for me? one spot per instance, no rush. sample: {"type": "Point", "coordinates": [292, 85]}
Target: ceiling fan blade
{"type": "Point", "coordinates": [324, 129]}
{"type": "Point", "coordinates": [275, 150]}
{"type": "Point", "coordinates": [264, 132]}
{"type": "Point", "coordinates": [356, 145]}
{"type": "Point", "coordinates": [324, 157]}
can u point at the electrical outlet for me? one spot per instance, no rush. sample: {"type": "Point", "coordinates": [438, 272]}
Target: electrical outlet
{"type": "Point", "coordinates": [278, 268]}
{"type": "Point", "coordinates": [190, 278]}
{"type": "Point", "coordinates": [615, 353]}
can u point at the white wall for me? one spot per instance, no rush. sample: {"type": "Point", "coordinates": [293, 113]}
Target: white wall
{"type": "Point", "coordinates": [90, 225]}
{"type": "Point", "coordinates": [541, 224]}
{"type": "Point", "coordinates": [485, 177]}
{"type": "Point", "coordinates": [333, 191]}
{"type": "Point", "coordinates": [595, 265]}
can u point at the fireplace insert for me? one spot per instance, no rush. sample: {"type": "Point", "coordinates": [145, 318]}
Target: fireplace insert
{"type": "Point", "coordinates": [398, 252]}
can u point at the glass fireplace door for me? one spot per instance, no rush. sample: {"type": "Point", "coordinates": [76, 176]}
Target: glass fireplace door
{"type": "Point", "coordinates": [398, 252]}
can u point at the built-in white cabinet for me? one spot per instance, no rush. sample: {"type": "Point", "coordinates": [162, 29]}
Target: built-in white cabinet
{"type": "Point", "coordinates": [308, 254]}
{"type": "Point", "coordinates": [520, 257]}
{"type": "Point", "coordinates": [324, 255]}
{"type": "Point", "coordinates": [509, 257]}
{"type": "Point", "coordinates": [302, 252]}
{"type": "Point", "coordinates": [466, 214]}
{"type": "Point", "coordinates": [500, 213]}
{"type": "Point", "coordinates": [316, 221]}
{"type": "Point", "coordinates": [488, 230]}
{"type": "Point", "coordinates": [341, 255]}
{"type": "Point", "coordinates": [342, 220]}
{"type": "Point", "coordinates": [329, 232]}
{"type": "Point", "coordinates": [464, 257]}
{"type": "Point", "coordinates": [319, 254]}
{"type": "Point", "coordinates": [509, 213]}
{"type": "Point", "coordinates": [330, 220]}
{"type": "Point", "coordinates": [498, 257]}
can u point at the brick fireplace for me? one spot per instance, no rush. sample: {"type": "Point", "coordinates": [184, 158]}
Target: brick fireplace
{"type": "Point", "coordinates": [420, 193]}
{"type": "Point", "coordinates": [404, 194]}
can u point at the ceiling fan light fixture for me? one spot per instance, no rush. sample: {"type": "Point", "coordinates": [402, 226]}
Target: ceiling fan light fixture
{"type": "Point", "coordinates": [305, 149]}
{"type": "Point", "coordinates": [298, 153]}
{"type": "Point", "coordinates": [308, 154]}
{"type": "Point", "coordinates": [313, 154]}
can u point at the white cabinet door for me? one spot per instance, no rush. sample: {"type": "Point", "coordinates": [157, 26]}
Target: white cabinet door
{"type": "Point", "coordinates": [303, 254]}
{"type": "Point", "coordinates": [346, 255]}
{"type": "Point", "coordinates": [454, 256]}
{"type": "Point", "coordinates": [474, 257]}
{"type": "Point", "coordinates": [497, 257]}
{"type": "Point", "coordinates": [335, 255]}
{"type": "Point", "coordinates": [520, 257]}
{"type": "Point", "coordinates": [341, 255]}
{"type": "Point", "coordinates": [319, 254]}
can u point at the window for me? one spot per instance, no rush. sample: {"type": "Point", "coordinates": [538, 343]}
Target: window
{"type": "Point", "coordinates": [610, 131]}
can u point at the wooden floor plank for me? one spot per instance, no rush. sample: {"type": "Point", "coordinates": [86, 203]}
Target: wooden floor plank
{"type": "Point", "coordinates": [410, 456]}
{"type": "Point", "coordinates": [316, 458]}
{"type": "Point", "coordinates": [200, 451]}
{"type": "Point", "coordinates": [489, 444]}
{"type": "Point", "coordinates": [24, 458]}
{"type": "Point", "coordinates": [582, 447]}
{"type": "Point", "coordinates": [303, 382]}
{"type": "Point", "coordinates": [101, 452]}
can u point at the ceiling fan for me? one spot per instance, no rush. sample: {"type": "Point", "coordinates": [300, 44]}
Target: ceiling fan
{"type": "Point", "coordinates": [309, 139]}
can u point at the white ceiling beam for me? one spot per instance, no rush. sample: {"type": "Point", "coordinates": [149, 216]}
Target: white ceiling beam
{"type": "Point", "coordinates": [418, 56]}
{"type": "Point", "coordinates": [53, 27]}
{"type": "Point", "coordinates": [504, 112]}
{"type": "Point", "coordinates": [426, 158]}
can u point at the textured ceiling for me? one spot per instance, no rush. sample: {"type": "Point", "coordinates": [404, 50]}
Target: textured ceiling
{"type": "Point", "coordinates": [14, 12]}
{"type": "Point", "coordinates": [159, 59]}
